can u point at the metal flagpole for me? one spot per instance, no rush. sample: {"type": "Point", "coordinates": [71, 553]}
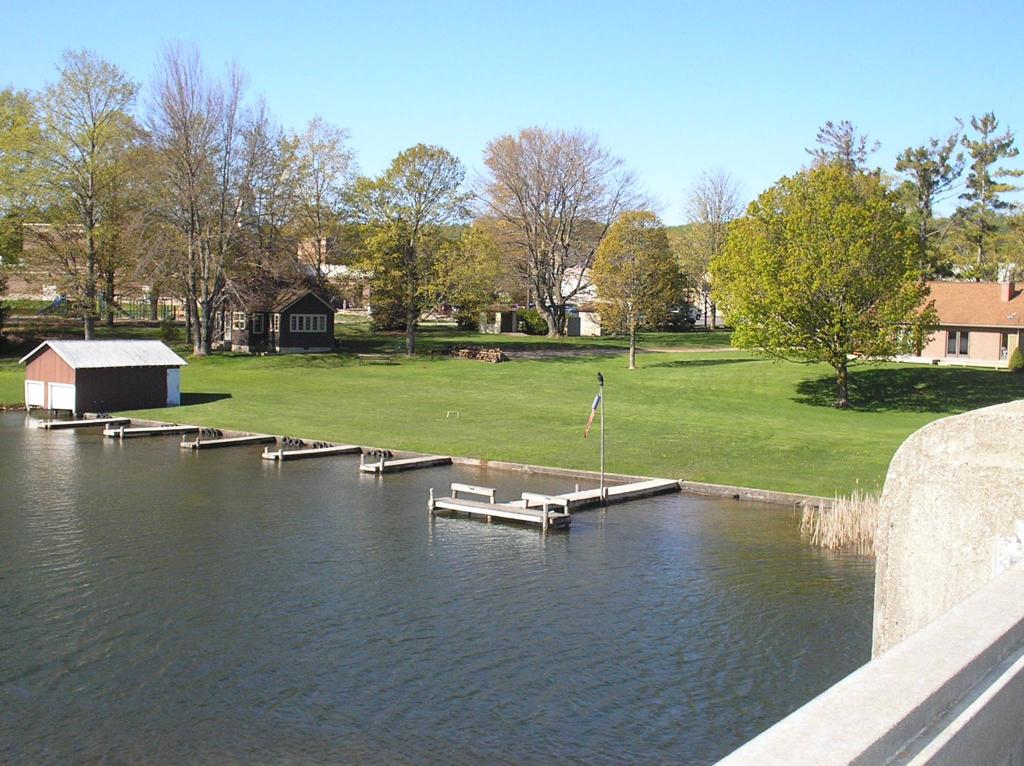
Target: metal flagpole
{"type": "Point", "coordinates": [600, 381]}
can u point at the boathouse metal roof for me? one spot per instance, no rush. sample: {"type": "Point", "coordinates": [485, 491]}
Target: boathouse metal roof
{"type": "Point", "coordinates": [92, 354]}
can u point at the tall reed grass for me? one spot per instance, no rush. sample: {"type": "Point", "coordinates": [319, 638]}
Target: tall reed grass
{"type": "Point", "coordinates": [842, 523]}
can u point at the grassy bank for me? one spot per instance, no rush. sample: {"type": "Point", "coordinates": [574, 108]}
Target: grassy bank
{"type": "Point", "coordinates": [725, 416]}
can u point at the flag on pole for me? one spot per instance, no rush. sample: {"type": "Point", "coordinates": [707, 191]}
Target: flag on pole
{"type": "Point", "coordinates": [593, 411]}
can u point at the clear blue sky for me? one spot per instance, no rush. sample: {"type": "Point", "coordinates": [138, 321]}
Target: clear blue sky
{"type": "Point", "coordinates": [672, 89]}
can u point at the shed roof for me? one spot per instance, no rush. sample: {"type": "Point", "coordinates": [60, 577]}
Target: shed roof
{"type": "Point", "coordinates": [978, 304]}
{"type": "Point", "coordinates": [91, 354]}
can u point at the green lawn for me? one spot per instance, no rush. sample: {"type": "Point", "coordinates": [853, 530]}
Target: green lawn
{"type": "Point", "coordinates": [725, 416]}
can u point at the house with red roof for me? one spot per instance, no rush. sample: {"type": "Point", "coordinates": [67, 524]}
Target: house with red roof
{"type": "Point", "coordinates": [979, 323]}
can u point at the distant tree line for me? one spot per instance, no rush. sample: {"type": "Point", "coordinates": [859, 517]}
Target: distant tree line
{"type": "Point", "coordinates": [196, 188]}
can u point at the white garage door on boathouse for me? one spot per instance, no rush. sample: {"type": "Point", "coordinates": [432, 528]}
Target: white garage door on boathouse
{"type": "Point", "coordinates": [62, 396]}
{"type": "Point", "coordinates": [35, 393]}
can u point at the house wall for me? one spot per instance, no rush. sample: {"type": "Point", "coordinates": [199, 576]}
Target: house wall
{"type": "Point", "coordinates": [48, 367]}
{"type": "Point", "coordinates": [120, 388]}
{"type": "Point", "coordinates": [982, 347]}
{"type": "Point", "coordinates": [306, 341]}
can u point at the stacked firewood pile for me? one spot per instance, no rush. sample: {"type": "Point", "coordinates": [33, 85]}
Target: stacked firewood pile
{"type": "Point", "coordinates": [492, 355]}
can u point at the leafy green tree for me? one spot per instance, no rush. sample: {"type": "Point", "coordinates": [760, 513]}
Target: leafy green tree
{"type": "Point", "coordinates": [985, 182]}
{"type": "Point", "coordinates": [407, 207]}
{"type": "Point", "coordinates": [824, 268]}
{"type": "Point", "coordinates": [636, 274]}
{"type": "Point", "coordinates": [86, 135]}
{"type": "Point", "coordinates": [930, 171]}
{"type": "Point", "coordinates": [1016, 362]}
{"type": "Point", "coordinates": [468, 273]}
{"type": "Point", "coordinates": [19, 133]}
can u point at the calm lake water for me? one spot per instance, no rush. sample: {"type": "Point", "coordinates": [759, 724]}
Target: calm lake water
{"type": "Point", "coordinates": [164, 606]}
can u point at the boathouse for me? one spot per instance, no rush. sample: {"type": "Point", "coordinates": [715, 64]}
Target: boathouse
{"type": "Point", "coordinates": [102, 375]}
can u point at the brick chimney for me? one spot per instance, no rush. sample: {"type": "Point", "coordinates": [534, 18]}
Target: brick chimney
{"type": "Point", "coordinates": [1006, 291]}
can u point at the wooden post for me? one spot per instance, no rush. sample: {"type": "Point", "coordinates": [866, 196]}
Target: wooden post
{"type": "Point", "coordinates": [430, 502]}
{"type": "Point", "coordinates": [577, 486]}
{"type": "Point", "coordinates": [362, 459]}
{"type": "Point", "coordinates": [381, 469]}
{"type": "Point", "coordinates": [490, 497]}
{"type": "Point", "coordinates": [544, 518]}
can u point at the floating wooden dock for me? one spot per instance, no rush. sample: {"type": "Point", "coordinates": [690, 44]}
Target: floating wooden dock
{"type": "Point", "coordinates": [549, 511]}
{"type": "Point", "coordinates": [233, 441]}
{"type": "Point", "coordinates": [128, 433]}
{"type": "Point", "coordinates": [517, 510]}
{"type": "Point", "coordinates": [307, 452]}
{"type": "Point", "coordinates": [619, 493]}
{"type": "Point", "coordinates": [385, 465]}
{"type": "Point", "coordinates": [53, 425]}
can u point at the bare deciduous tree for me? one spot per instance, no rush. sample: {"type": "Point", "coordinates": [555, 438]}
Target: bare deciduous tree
{"type": "Point", "coordinates": [713, 201]}
{"type": "Point", "coordinates": [325, 167]}
{"type": "Point", "coordinates": [552, 195]}
{"type": "Point", "coordinates": [196, 125]}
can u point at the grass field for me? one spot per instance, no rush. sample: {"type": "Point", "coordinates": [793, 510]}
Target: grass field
{"type": "Point", "coordinates": [720, 416]}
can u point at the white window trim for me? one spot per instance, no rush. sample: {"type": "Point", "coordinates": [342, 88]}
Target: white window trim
{"type": "Point", "coordinates": [308, 323]}
{"type": "Point", "coordinates": [238, 320]}
{"type": "Point", "coordinates": [275, 323]}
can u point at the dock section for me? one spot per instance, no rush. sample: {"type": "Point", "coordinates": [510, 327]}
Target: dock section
{"type": "Point", "coordinates": [549, 511]}
{"type": "Point", "coordinates": [517, 510]}
{"type": "Point", "coordinates": [53, 425]}
{"type": "Point", "coordinates": [308, 452]}
{"type": "Point", "coordinates": [385, 465]}
{"type": "Point", "coordinates": [121, 432]}
{"type": "Point", "coordinates": [233, 441]}
{"type": "Point", "coordinates": [619, 493]}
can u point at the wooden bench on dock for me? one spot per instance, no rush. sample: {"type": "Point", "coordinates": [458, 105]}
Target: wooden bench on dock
{"type": "Point", "coordinates": [375, 358]}
{"type": "Point", "coordinates": [472, 489]}
{"type": "Point", "coordinates": [535, 500]}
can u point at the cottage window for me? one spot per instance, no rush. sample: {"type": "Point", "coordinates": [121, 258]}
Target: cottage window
{"type": "Point", "coordinates": [257, 324]}
{"type": "Point", "coordinates": [238, 320]}
{"type": "Point", "coordinates": [1004, 345]}
{"type": "Point", "coordinates": [957, 342]}
{"type": "Point", "coordinates": [275, 323]}
{"type": "Point", "coordinates": [308, 323]}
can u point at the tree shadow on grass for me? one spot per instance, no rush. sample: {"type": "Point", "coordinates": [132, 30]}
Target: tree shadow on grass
{"type": "Point", "coordinates": [916, 389]}
{"type": "Point", "coordinates": [202, 398]}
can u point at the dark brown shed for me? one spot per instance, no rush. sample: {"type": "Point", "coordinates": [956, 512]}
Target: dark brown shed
{"type": "Point", "coordinates": [102, 375]}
